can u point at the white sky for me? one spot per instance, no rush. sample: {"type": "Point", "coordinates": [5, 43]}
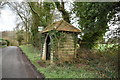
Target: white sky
{"type": "Point", "coordinates": [7, 19]}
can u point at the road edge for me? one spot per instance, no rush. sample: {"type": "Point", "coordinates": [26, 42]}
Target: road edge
{"type": "Point", "coordinates": [32, 65]}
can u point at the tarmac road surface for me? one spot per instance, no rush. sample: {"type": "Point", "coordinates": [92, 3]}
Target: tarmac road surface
{"type": "Point", "coordinates": [0, 63]}
{"type": "Point", "coordinates": [15, 64]}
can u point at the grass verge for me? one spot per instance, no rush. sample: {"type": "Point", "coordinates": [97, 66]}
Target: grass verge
{"type": "Point", "coordinates": [55, 71]}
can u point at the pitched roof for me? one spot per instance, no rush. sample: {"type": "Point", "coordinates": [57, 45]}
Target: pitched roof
{"type": "Point", "coordinates": [61, 26]}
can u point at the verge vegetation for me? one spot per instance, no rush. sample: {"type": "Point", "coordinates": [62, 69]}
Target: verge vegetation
{"type": "Point", "coordinates": [90, 64]}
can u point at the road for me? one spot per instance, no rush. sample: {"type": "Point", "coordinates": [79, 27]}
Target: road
{"type": "Point", "coordinates": [0, 63]}
{"type": "Point", "coordinates": [16, 65]}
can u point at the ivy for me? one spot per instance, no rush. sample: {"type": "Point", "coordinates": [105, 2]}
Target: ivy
{"type": "Point", "coordinates": [93, 19]}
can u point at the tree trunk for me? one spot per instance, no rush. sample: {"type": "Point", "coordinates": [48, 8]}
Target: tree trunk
{"type": "Point", "coordinates": [61, 8]}
{"type": "Point", "coordinates": [34, 28]}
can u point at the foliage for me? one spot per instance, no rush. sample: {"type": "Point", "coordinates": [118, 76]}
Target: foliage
{"type": "Point", "coordinates": [20, 36]}
{"type": "Point", "coordinates": [60, 5]}
{"type": "Point", "coordinates": [23, 13]}
{"type": "Point", "coordinates": [94, 65]}
{"type": "Point", "coordinates": [93, 19]}
{"type": "Point", "coordinates": [103, 47]}
{"type": "Point", "coordinates": [10, 36]}
{"type": "Point", "coordinates": [2, 5]}
{"type": "Point", "coordinates": [4, 42]}
{"type": "Point", "coordinates": [31, 52]}
{"type": "Point", "coordinates": [104, 60]}
{"type": "Point", "coordinates": [41, 16]}
{"type": "Point", "coordinates": [33, 15]}
{"type": "Point", "coordinates": [8, 42]}
{"type": "Point", "coordinates": [56, 38]}
{"type": "Point", "coordinates": [54, 71]}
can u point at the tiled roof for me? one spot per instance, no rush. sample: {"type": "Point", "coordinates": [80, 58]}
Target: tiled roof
{"type": "Point", "coordinates": [61, 26]}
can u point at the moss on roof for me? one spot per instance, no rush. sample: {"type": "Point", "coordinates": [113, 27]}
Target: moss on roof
{"type": "Point", "coordinates": [61, 26]}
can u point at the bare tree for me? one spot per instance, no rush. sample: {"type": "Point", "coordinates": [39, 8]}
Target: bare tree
{"type": "Point", "coordinates": [24, 14]}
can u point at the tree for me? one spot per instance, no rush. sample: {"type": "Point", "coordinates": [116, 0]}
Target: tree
{"type": "Point", "coordinates": [42, 14]}
{"type": "Point", "coordinates": [23, 12]}
{"type": "Point", "coordinates": [93, 19]}
{"type": "Point", "coordinates": [20, 36]}
{"type": "Point", "coordinates": [2, 5]}
{"type": "Point", "coordinates": [32, 15]}
{"type": "Point", "coordinates": [61, 7]}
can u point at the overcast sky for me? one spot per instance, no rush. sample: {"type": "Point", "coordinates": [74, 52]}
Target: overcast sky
{"type": "Point", "coordinates": [7, 19]}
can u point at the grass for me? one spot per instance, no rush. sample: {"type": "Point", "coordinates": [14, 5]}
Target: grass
{"type": "Point", "coordinates": [55, 71]}
{"type": "Point", "coordinates": [32, 53]}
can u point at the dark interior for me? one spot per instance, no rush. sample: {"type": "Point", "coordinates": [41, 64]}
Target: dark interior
{"type": "Point", "coordinates": [48, 48]}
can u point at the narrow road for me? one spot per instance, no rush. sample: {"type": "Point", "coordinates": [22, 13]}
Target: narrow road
{"type": "Point", "coordinates": [15, 64]}
{"type": "Point", "coordinates": [0, 63]}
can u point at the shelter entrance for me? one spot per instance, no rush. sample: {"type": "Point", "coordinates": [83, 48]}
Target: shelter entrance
{"type": "Point", "coordinates": [66, 50]}
{"type": "Point", "coordinates": [48, 48]}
